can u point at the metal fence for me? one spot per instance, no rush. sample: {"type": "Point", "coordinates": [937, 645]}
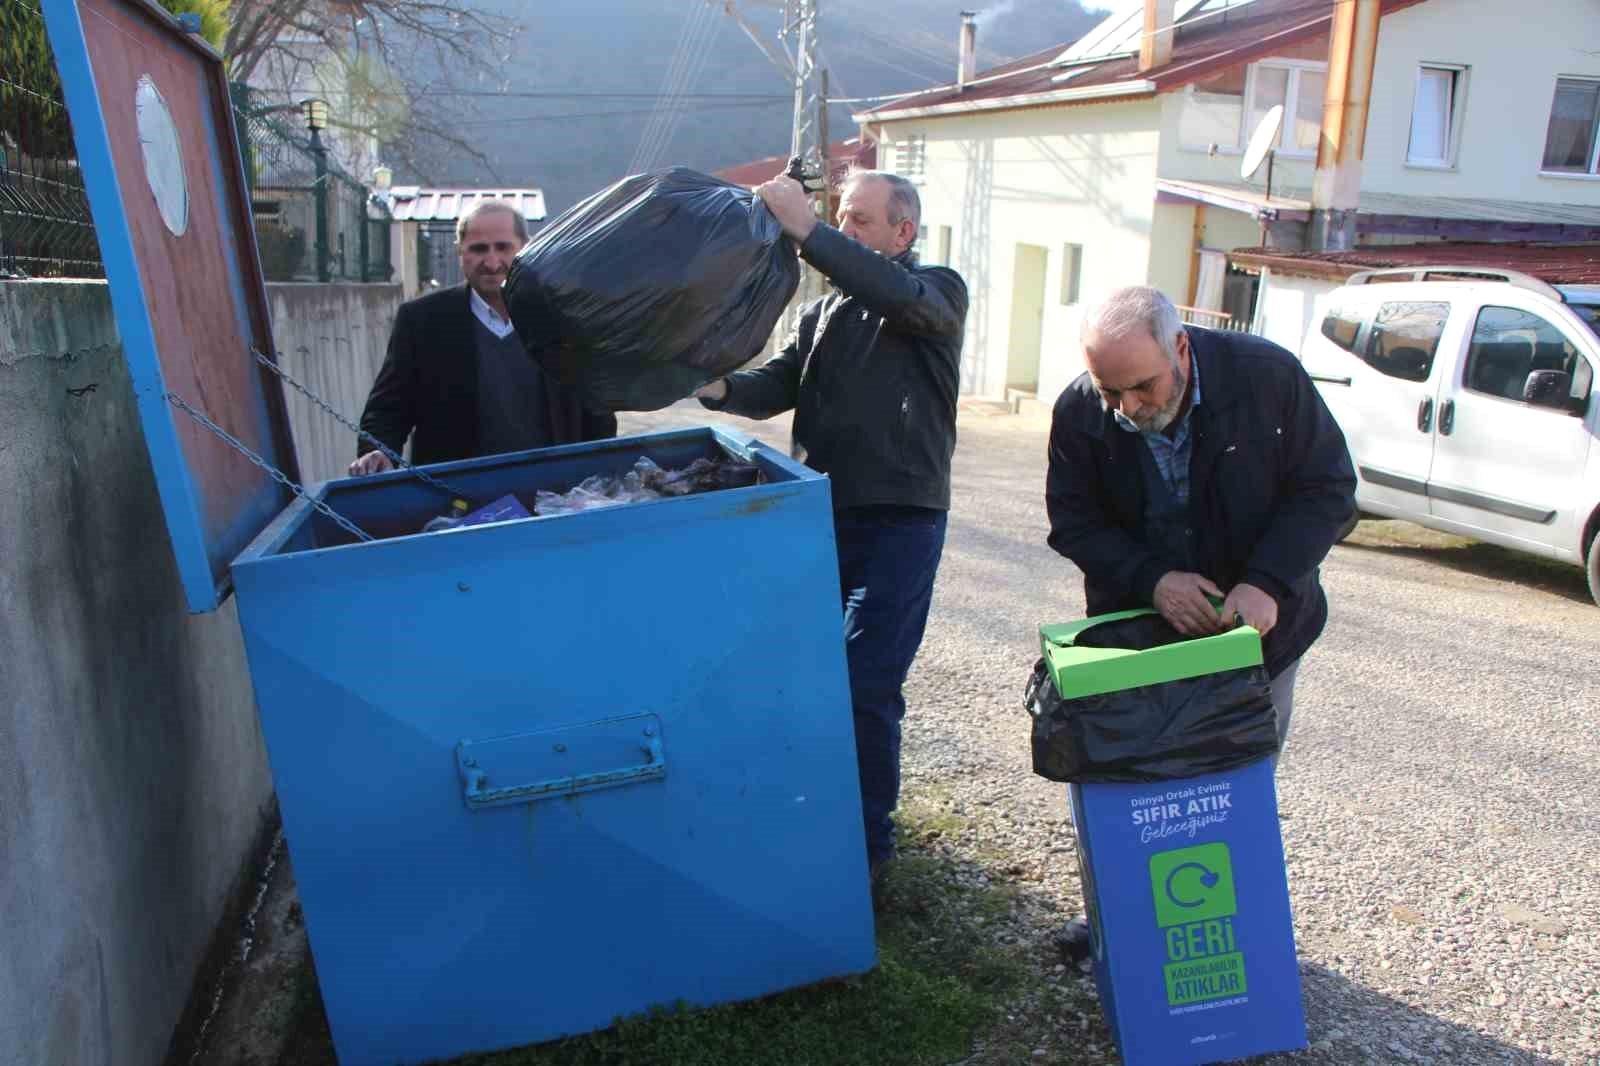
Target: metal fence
{"type": "Point", "coordinates": [45, 226]}
{"type": "Point", "coordinates": [313, 221]}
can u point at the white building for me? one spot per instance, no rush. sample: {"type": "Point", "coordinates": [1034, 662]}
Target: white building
{"type": "Point", "coordinates": [1063, 175]}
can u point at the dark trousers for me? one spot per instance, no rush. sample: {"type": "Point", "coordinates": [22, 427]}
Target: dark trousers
{"type": "Point", "coordinates": [887, 560]}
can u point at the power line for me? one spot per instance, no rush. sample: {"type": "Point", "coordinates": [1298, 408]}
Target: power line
{"type": "Point", "coordinates": [610, 114]}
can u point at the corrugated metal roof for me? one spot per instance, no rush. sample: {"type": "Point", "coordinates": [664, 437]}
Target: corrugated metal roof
{"type": "Point", "coordinates": [1209, 39]}
{"type": "Point", "coordinates": [414, 203]}
{"type": "Point", "coordinates": [1558, 264]}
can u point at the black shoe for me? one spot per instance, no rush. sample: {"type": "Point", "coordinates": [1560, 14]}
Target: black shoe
{"type": "Point", "coordinates": [1072, 941]}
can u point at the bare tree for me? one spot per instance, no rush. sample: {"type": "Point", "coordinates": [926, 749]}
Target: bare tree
{"type": "Point", "coordinates": [450, 54]}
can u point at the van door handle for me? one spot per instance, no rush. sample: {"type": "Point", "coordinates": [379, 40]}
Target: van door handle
{"type": "Point", "coordinates": [1425, 415]}
{"type": "Point", "coordinates": [1447, 417]}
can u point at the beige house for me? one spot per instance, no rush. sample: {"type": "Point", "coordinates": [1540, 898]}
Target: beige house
{"type": "Point", "coordinates": [1068, 173]}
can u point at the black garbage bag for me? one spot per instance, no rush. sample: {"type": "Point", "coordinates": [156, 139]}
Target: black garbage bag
{"type": "Point", "coordinates": [1187, 728]}
{"type": "Point", "coordinates": [651, 288]}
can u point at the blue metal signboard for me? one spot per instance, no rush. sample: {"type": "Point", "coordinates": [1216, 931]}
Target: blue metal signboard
{"type": "Point", "coordinates": [158, 150]}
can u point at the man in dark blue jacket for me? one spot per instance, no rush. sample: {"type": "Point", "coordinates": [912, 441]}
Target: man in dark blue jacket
{"type": "Point", "coordinates": [1188, 463]}
{"type": "Point", "coordinates": [872, 376]}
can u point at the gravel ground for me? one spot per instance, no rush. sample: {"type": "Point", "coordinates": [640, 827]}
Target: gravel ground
{"type": "Point", "coordinates": [1441, 826]}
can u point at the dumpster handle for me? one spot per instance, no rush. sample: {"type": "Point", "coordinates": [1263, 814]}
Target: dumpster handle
{"type": "Point", "coordinates": [483, 787]}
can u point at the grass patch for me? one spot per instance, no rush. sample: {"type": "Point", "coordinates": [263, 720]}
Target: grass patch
{"type": "Point", "coordinates": [938, 986]}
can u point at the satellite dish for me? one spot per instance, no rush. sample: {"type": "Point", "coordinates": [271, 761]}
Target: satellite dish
{"type": "Point", "coordinates": [1262, 141]}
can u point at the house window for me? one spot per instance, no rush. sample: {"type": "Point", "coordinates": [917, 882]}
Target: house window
{"type": "Point", "coordinates": [1435, 115]}
{"type": "Point", "coordinates": [1071, 272]}
{"type": "Point", "coordinates": [1299, 87]}
{"type": "Point", "coordinates": [911, 158]}
{"type": "Point", "coordinates": [1225, 108]}
{"type": "Point", "coordinates": [1572, 141]}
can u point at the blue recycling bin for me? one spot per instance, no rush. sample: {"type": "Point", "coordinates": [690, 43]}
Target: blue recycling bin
{"type": "Point", "coordinates": [1184, 881]}
{"type": "Point", "coordinates": [539, 774]}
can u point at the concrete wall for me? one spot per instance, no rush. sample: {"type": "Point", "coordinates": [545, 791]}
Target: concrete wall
{"type": "Point", "coordinates": [331, 339]}
{"type": "Point", "coordinates": [1286, 306]}
{"type": "Point", "coordinates": [133, 779]}
{"type": "Point", "coordinates": [1047, 177]}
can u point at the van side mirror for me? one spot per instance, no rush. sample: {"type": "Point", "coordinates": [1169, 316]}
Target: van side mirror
{"type": "Point", "coordinates": [1550, 388]}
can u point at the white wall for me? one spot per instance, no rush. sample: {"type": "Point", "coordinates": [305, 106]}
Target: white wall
{"type": "Point", "coordinates": [1515, 50]}
{"type": "Point", "coordinates": [1285, 306]}
{"type": "Point", "coordinates": [1046, 176]}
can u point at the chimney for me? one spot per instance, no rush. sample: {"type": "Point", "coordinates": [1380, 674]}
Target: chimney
{"type": "Point", "coordinates": [967, 65]}
{"type": "Point", "coordinates": [1336, 188]}
{"type": "Point", "coordinates": [1155, 45]}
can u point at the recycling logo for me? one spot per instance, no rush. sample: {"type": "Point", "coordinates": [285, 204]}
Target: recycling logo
{"type": "Point", "coordinates": [1195, 904]}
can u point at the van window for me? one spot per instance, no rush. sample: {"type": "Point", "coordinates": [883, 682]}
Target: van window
{"type": "Point", "coordinates": [1341, 326]}
{"type": "Point", "coordinates": [1404, 337]}
{"type": "Point", "coordinates": [1509, 344]}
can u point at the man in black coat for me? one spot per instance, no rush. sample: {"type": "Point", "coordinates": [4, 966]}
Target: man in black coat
{"type": "Point", "coordinates": [872, 376]}
{"type": "Point", "coordinates": [456, 379]}
{"type": "Point", "coordinates": [1188, 463]}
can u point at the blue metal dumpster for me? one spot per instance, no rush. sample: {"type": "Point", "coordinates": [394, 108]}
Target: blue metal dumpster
{"type": "Point", "coordinates": [536, 774]}
{"type": "Point", "coordinates": [541, 773]}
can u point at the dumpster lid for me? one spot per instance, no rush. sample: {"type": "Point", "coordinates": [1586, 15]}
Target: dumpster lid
{"type": "Point", "coordinates": [159, 155]}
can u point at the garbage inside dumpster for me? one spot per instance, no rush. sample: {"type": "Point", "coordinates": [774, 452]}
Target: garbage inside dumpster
{"type": "Point", "coordinates": [504, 509]}
{"type": "Point", "coordinates": [652, 287]}
{"type": "Point", "coordinates": [1191, 725]}
{"type": "Point", "coordinates": [648, 481]}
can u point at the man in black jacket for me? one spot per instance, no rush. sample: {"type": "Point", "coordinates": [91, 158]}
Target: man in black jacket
{"type": "Point", "coordinates": [872, 375]}
{"type": "Point", "coordinates": [1188, 463]}
{"type": "Point", "coordinates": [457, 376]}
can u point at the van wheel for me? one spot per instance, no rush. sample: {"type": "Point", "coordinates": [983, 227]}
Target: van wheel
{"type": "Point", "coordinates": [1594, 568]}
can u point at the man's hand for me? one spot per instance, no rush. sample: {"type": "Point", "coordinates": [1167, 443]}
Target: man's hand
{"type": "Point", "coordinates": [373, 462]}
{"type": "Point", "coordinates": [1252, 606]}
{"type": "Point", "coordinates": [1181, 599]}
{"type": "Point", "coordinates": [790, 205]}
{"type": "Point", "coordinates": [715, 391]}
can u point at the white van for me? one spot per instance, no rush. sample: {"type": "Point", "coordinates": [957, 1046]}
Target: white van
{"type": "Point", "coordinates": [1466, 396]}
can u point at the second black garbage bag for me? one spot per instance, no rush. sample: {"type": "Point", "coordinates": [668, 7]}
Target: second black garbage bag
{"type": "Point", "coordinates": [1213, 720]}
{"type": "Point", "coordinates": [650, 288]}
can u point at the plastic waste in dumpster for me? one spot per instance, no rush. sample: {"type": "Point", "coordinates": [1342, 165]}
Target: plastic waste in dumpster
{"type": "Point", "coordinates": [1168, 744]}
{"type": "Point", "coordinates": [652, 287]}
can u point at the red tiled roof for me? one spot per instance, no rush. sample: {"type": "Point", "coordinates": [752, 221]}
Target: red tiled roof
{"type": "Point", "coordinates": [1557, 264]}
{"type": "Point", "coordinates": [841, 154]}
{"type": "Point", "coordinates": [1211, 44]}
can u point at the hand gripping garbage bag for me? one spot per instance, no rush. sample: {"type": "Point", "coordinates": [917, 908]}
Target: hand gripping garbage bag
{"type": "Point", "coordinates": [1154, 732]}
{"type": "Point", "coordinates": [651, 288]}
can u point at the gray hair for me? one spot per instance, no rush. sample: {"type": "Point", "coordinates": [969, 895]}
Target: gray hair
{"type": "Point", "coordinates": [489, 207]}
{"type": "Point", "coordinates": [1132, 309]}
{"type": "Point", "coordinates": [904, 202]}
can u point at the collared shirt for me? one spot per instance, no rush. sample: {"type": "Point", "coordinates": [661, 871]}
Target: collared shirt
{"type": "Point", "coordinates": [500, 327]}
{"type": "Point", "coordinates": [1171, 454]}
